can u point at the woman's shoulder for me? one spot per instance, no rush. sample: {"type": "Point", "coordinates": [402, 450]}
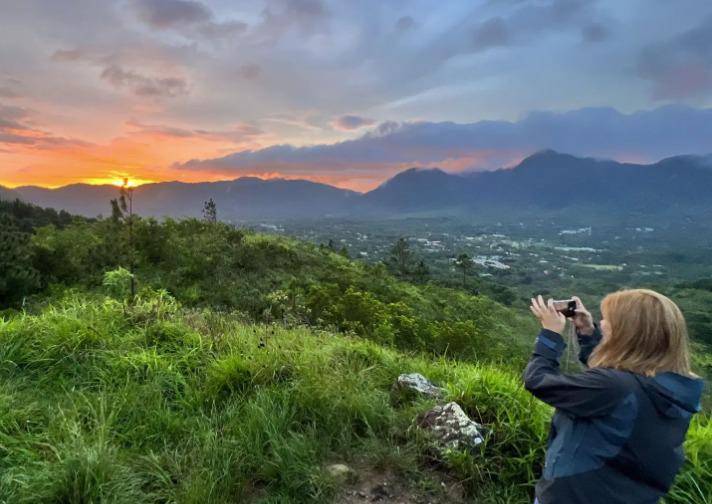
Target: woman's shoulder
{"type": "Point", "coordinates": [613, 379]}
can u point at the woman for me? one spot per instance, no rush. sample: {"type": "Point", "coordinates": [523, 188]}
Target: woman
{"type": "Point", "coordinates": [619, 426]}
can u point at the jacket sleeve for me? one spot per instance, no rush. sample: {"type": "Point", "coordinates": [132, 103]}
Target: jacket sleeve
{"type": "Point", "coordinates": [594, 392]}
{"type": "Point", "coordinates": [587, 342]}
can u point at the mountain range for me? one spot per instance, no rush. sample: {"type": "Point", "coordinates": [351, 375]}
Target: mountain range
{"type": "Point", "coordinates": [546, 181]}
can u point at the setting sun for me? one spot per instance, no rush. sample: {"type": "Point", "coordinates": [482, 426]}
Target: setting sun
{"type": "Point", "coordinates": [119, 181]}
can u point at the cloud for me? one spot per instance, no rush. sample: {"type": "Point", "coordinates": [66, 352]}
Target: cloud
{"type": "Point", "coordinates": [164, 14]}
{"type": "Point", "coordinates": [16, 128]}
{"type": "Point", "coordinates": [249, 71]}
{"type": "Point", "coordinates": [224, 29]}
{"type": "Point", "coordinates": [115, 72]}
{"type": "Point", "coordinates": [351, 122]}
{"type": "Point", "coordinates": [67, 55]}
{"type": "Point", "coordinates": [516, 24]}
{"type": "Point", "coordinates": [680, 67]}
{"type": "Point", "coordinates": [186, 16]}
{"type": "Point", "coordinates": [405, 23]}
{"type": "Point", "coordinates": [239, 134]}
{"type": "Point", "coordinates": [141, 85]}
{"type": "Point", "coordinates": [601, 132]}
{"type": "Point", "coordinates": [8, 92]}
{"type": "Point", "coordinates": [594, 32]}
{"type": "Point", "coordinates": [491, 33]}
{"type": "Point", "coordinates": [279, 17]}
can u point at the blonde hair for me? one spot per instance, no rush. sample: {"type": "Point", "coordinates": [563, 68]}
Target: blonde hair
{"type": "Point", "coordinates": [646, 334]}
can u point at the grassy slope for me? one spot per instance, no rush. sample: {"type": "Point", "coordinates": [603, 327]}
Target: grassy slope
{"type": "Point", "coordinates": [272, 278]}
{"type": "Point", "coordinates": [100, 403]}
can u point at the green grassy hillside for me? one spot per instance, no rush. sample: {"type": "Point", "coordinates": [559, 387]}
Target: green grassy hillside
{"type": "Point", "coordinates": [105, 402]}
{"type": "Point", "coordinates": [246, 365]}
{"type": "Point", "coordinates": [272, 278]}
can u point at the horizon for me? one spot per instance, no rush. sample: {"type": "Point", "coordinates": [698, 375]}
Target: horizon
{"type": "Point", "coordinates": [339, 93]}
{"type": "Point", "coordinates": [135, 183]}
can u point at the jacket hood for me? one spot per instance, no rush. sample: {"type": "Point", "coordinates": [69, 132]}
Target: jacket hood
{"type": "Point", "coordinates": [674, 395]}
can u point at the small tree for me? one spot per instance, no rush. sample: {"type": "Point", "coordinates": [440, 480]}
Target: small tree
{"type": "Point", "coordinates": [421, 272]}
{"type": "Point", "coordinates": [122, 213]}
{"type": "Point", "coordinates": [401, 258]}
{"type": "Point", "coordinates": [210, 211]}
{"type": "Point", "coordinates": [464, 262]}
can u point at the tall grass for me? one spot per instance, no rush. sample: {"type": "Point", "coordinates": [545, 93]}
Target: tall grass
{"type": "Point", "coordinates": [100, 402]}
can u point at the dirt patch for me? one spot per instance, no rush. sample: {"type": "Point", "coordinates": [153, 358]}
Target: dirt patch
{"type": "Point", "coordinates": [387, 486]}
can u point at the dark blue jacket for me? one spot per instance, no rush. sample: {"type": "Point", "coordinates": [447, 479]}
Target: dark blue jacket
{"type": "Point", "coordinates": [616, 436]}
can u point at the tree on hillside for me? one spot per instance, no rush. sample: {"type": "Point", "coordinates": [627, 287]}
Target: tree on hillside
{"type": "Point", "coordinates": [464, 262]}
{"type": "Point", "coordinates": [122, 213]}
{"type": "Point", "coordinates": [421, 272]}
{"type": "Point", "coordinates": [17, 276]}
{"type": "Point", "coordinates": [210, 211]}
{"type": "Point", "coordinates": [400, 260]}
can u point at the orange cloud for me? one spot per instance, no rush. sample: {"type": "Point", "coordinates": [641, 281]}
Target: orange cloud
{"type": "Point", "coordinates": [145, 153]}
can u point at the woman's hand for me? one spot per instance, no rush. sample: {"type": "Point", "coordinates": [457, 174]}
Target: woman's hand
{"type": "Point", "coordinates": [583, 320]}
{"type": "Point", "coordinates": [548, 316]}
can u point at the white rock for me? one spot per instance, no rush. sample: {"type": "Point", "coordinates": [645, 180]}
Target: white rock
{"type": "Point", "coordinates": [420, 384]}
{"type": "Point", "coordinates": [451, 428]}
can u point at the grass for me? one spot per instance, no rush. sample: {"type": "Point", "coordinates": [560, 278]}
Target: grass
{"type": "Point", "coordinates": [100, 402]}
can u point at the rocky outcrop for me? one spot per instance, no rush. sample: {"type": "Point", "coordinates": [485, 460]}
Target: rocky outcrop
{"type": "Point", "coordinates": [447, 425]}
{"type": "Point", "coordinates": [417, 384]}
{"type": "Point", "coordinates": [451, 428]}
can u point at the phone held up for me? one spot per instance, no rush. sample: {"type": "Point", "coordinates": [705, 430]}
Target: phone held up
{"type": "Point", "coordinates": [567, 307]}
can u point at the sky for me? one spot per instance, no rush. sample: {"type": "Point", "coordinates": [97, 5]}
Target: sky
{"type": "Point", "coordinates": [343, 92]}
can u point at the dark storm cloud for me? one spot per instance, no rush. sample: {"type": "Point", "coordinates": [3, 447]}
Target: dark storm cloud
{"type": "Point", "coordinates": [682, 66]}
{"type": "Point", "coordinates": [604, 132]}
{"type": "Point", "coordinates": [351, 122]}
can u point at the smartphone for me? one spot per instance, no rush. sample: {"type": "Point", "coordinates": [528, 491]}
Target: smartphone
{"type": "Point", "coordinates": [567, 307]}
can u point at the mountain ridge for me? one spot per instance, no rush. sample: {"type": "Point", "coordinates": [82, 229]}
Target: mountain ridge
{"type": "Point", "coordinates": [546, 179]}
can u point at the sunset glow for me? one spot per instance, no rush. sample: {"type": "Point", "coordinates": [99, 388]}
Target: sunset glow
{"type": "Point", "coordinates": [344, 93]}
{"type": "Point", "coordinates": [127, 181]}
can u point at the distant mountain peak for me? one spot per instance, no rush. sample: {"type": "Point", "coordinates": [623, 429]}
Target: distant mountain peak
{"type": "Point", "coordinates": [416, 173]}
{"type": "Point", "coordinates": [545, 155]}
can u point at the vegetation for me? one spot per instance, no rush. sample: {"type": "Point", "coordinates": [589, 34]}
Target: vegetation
{"type": "Point", "coordinates": [104, 401]}
{"type": "Point", "coordinates": [269, 278]}
{"type": "Point", "coordinates": [245, 363]}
